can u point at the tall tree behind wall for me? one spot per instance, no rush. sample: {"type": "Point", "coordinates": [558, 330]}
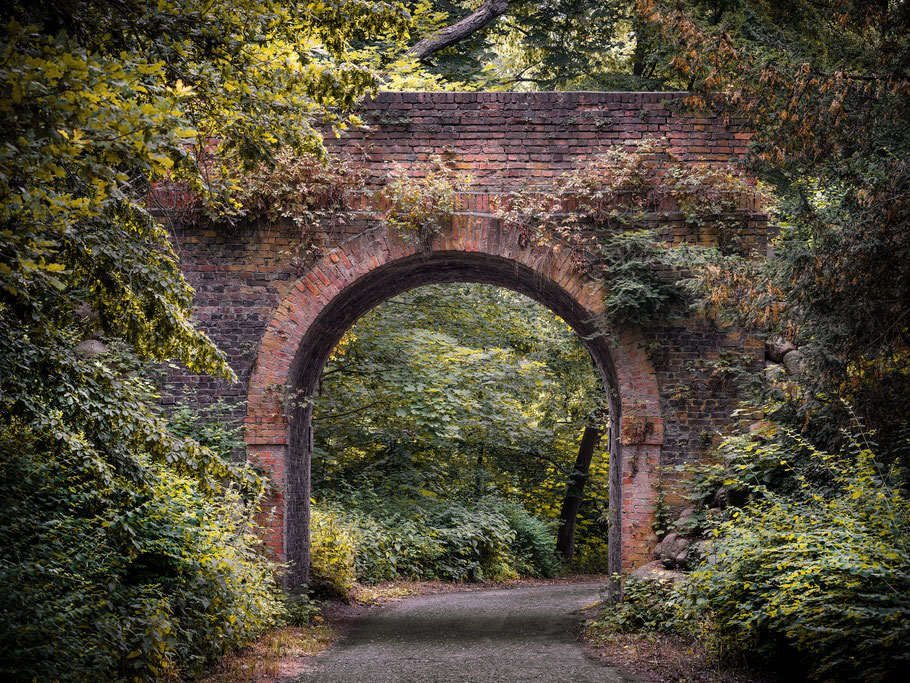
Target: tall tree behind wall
{"type": "Point", "coordinates": [828, 89]}
{"type": "Point", "coordinates": [543, 45]}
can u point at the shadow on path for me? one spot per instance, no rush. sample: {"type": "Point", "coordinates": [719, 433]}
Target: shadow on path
{"type": "Point", "coordinates": [521, 634]}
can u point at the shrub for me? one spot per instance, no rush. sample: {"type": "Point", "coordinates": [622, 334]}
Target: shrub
{"type": "Point", "coordinates": [333, 543]}
{"type": "Point", "coordinates": [532, 546]}
{"type": "Point", "coordinates": [422, 205]}
{"type": "Point", "coordinates": [823, 572]}
{"type": "Point", "coordinates": [475, 543]}
{"type": "Point", "coordinates": [394, 548]}
{"type": "Point", "coordinates": [446, 540]}
{"type": "Point", "coordinates": [591, 556]}
{"type": "Point", "coordinates": [647, 605]}
{"type": "Point", "coordinates": [208, 425]}
{"type": "Point", "coordinates": [298, 610]}
{"type": "Point", "coordinates": [104, 583]}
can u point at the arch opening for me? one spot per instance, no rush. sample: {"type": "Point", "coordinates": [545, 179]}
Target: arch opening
{"type": "Point", "coordinates": [455, 399]}
{"type": "Point", "coordinates": [319, 310]}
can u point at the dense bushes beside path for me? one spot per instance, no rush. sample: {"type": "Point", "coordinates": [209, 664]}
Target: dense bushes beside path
{"type": "Point", "coordinates": [818, 574]}
{"type": "Point", "coordinates": [105, 578]}
{"type": "Point", "coordinates": [491, 539]}
{"type": "Point", "coordinates": [809, 577]}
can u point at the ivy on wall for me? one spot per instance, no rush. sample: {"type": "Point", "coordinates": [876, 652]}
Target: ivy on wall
{"type": "Point", "coordinates": [610, 214]}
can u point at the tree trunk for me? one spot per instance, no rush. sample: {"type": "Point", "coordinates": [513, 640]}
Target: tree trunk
{"type": "Point", "coordinates": [640, 51]}
{"type": "Point", "coordinates": [565, 539]}
{"type": "Point", "coordinates": [489, 11]}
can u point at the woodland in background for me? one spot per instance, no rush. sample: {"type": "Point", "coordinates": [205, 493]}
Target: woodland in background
{"type": "Point", "coordinates": [451, 418]}
{"type": "Point", "coordinates": [128, 550]}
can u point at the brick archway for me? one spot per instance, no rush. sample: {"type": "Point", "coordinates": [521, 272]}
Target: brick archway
{"type": "Point", "coordinates": [356, 276]}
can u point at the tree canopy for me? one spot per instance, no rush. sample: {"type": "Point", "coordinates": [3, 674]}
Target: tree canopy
{"type": "Point", "coordinates": [461, 395]}
{"type": "Point", "coordinates": [122, 527]}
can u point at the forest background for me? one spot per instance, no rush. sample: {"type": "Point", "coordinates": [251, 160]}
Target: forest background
{"type": "Point", "coordinates": [128, 547]}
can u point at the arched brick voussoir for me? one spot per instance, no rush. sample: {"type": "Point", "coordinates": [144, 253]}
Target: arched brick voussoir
{"type": "Point", "coordinates": [345, 265]}
{"type": "Point", "coordinates": [379, 264]}
{"type": "Point", "coordinates": [266, 422]}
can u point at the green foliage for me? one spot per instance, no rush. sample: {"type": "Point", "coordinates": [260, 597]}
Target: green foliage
{"type": "Point", "coordinates": [605, 215]}
{"type": "Point", "coordinates": [208, 425]}
{"type": "Point", "coordinates": [825, 87]}
{"type": "Point", "coordinates": [475, 541]}
{"type": "Point", "coordinates": [646, 605]}
{"type": "Point", "coordinates": [299, 610]}
{"type": "Point", "coordinates": [404, 72]}
{"type": "Point", "coordinates": [533, 543]}
{"type": "Point", "coordinates": [130, 554]}
{"type": "Point", "coordinates": [490, 539]}
{"type": "Point", "coordinates": [332, 546]}
{"type": "Point", "coordinates": [591, 549]}
{"type": "Point", "coordinates": [311, 191]}
{"type": "Point", "coordinates": [819, 567]}
{"type": "Point", "coordinates": [548, 45]}
{"type": "Point", "coordinates": [106, 578]}
{"type": "Point", "coordinates": [421, 206]}
{"type": "Point", "coordinates": [393, 545]}
{"type": "Point", "coordinates": [451, 393]}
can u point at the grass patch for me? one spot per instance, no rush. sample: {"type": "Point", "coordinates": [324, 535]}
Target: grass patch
{"type": "Point", "coordinates": [280, 653]}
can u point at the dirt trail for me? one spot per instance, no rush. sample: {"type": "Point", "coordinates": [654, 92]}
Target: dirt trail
{"type": "Point", "coordinates": [519, 634]}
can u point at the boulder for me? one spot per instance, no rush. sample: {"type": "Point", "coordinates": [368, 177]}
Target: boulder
{"type": "Point", "coordinates": [688, 520]}
{"type": "Point", "coordinates": [655, 571]}
{"type": "Point", "coordinates": [727, 496]}
{"type": "Point", "coordinates": [776, 349]}
{"type": "Point", "coordinates": [795, 363]}
{"type": "Point", "coordinates": [673, 551]}
{"type": "Point", "coordinates": [761, 430]}
{"type": "Point", "coordinates": [774, 371]}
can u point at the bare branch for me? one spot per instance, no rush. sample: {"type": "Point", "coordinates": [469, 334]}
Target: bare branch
{"type": "Point", "coordinates": [444, 37]}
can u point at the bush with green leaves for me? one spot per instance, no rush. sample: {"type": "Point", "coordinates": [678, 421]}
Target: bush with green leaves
{"type": "Point", "coordinates": [108, 578]}
{"type": "Point", "coordinates": [647, 605]}
{"type": "Point", "coordinates": [394, 547]}
{"type": "Point", "coordinates": [819, 573]}
{"type": "Point", "coordinates": [126, 551]}
{"type": "Point", "coordinates": [476, 542]}
{"type": "Point", "coordinates": [532, 547]}
{"type": "Point", "coordinates": [209, 425]}
{"type": "Point", "coordinates": [591, 551]}
{"type": "Point", "coordinates": [488, 539]}
{"type": "Point", "coordinates": [333, 542]}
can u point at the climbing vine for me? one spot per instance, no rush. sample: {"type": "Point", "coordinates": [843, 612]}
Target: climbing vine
{"type": "Point", "coordinates": [615, 214]}
{"type": "Point", "coordinates": [612, 215]}
{"type": "Point", "coordinates": [420, 206]}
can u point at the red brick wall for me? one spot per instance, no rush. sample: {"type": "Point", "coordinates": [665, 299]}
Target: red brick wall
{"type": "Point", "coordinates": [277, 318]}
{"type": "Point", "coordinates": [508, 138]}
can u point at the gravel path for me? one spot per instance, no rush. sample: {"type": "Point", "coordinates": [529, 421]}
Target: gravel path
{"type": "Point", "coordinates": [520, 634]}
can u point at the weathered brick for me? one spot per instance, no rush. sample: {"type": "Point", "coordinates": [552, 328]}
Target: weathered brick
{"type": "Point", "coordinates": [275, 317]}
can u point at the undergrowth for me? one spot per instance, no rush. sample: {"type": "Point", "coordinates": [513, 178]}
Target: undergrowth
{"type": "Point", "coordinates": [489, 540]}
{"type": "Point", "coordinates": [809, 577]}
